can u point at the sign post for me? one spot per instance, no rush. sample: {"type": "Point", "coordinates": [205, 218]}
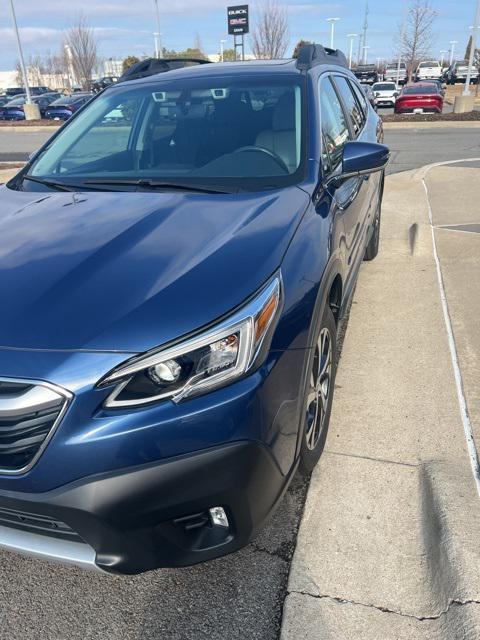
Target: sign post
{"type": "Point", "coordinates": [238, 26]}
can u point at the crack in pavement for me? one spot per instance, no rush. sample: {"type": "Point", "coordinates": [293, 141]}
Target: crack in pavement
{"type": "Point", "coordinates": [384, 460]}
{"type": "Point", "coordinates": [451, 604]}
{"type": "Point", "coordinates": [280, 554]}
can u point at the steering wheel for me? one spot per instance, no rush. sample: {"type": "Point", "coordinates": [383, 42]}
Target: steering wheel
{"type": "Point", "coordinates": [272, 154]}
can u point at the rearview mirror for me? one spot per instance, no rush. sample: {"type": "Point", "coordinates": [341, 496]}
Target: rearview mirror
{"type": "Point", "coordinates": [361, 158]}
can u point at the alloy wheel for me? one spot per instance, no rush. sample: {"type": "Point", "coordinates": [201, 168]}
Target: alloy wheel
{"type": "Point", "coordinates": [319, 390]}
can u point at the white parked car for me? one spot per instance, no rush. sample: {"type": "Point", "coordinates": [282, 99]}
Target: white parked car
{"type": "Point", "coordinates": [429, 70]}
{"type": "Point", "coordinates": [385, 94]}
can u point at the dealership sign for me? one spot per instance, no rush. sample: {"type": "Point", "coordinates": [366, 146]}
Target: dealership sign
{"type": "Point", "coordinates": [237, 20]}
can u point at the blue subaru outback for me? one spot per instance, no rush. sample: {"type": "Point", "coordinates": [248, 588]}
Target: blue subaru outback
{"type": "Point", "coordinates": [174, 264]}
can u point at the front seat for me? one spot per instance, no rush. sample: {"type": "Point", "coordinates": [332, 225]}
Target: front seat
{"type": "Point", "coordinates": [281, 138]}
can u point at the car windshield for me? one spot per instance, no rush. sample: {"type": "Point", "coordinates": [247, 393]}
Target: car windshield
{"type": "Point", "coordinates": [421, 89]}
{"type": "Point", "coordinates": [384, 86]}
{"type": "Point", "coordinates": [423, 65]}
{"type": "Point", "coordinates": [244, 132]}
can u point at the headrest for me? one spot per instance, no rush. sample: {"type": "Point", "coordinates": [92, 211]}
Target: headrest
{"type": "Point", "coordinates": [284, 113]}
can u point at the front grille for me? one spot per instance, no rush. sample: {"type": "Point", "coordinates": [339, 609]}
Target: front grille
{"type": "Point", "coordinates": [37, 524]}
{"type": "Point", "coordinates": [28, 414]}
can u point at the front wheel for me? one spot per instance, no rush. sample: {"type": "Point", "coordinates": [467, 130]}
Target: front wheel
{"type": "Point", "coordinates": [319, 396]}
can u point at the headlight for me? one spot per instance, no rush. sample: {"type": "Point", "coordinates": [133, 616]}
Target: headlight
{"type": "Point", "coordinates": [197, 365]}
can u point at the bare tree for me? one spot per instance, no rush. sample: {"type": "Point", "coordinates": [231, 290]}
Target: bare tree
{"type": "Point", "coordinates": [270, 35]}
{"type": "Point", "coordinates": [298, 46]}
{"type": "Point", "coordinates": [416, 38]}
{"type": "Point", "coordinates": [18, 74]}
{"type": "Point", "coordinates": [83, 44]}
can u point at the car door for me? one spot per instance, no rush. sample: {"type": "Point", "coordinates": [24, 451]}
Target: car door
{"type": "Point", "coordinates": [350, 198]}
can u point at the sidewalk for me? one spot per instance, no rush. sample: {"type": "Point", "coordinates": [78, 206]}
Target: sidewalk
{"type": "Point", "coordinates": [388, 545]}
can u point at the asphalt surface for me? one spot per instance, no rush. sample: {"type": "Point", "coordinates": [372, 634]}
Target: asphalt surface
{"type": "Point", "coordinates": [17, 146]}
{"type": "Point", "coordinates": [237, 597]}
{"type": "Point", "coordinates": [414, 148]}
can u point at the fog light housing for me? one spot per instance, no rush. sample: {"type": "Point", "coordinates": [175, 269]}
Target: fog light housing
{"type": "Point", "coordinates": [219, 517]}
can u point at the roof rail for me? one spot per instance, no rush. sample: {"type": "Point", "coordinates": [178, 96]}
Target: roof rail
{"type": "Point", "coordinates": [152, 66]}
{"type": "Point", "coordinates": [312, 54]}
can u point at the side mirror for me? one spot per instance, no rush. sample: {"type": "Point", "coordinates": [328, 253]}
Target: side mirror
{"type": "Point", "coordinates": [361, 159]}
{"type": "Point", "coordinates": [396, 94]}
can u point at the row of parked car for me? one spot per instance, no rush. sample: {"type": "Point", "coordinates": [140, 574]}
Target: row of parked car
{"type": "Point", "coordinates": [420, 97]}
{"type": "Point", "coordinates": [53, 105]}
{"type": "Point", "coordinates": [426, 70]}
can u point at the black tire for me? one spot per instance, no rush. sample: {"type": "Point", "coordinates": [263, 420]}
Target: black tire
{"type": "Point", "coordinates": [373, 245]}
{"type": "Point", "coordinates": [322, 368]}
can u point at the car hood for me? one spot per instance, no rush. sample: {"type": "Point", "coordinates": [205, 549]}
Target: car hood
{"type": "Point", "coordinates": [130, 271]}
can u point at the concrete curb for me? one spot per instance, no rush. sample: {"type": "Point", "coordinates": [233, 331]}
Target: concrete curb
{"type": "Point", "coordinates": [33, 129]}
{"type": "Point", "coordinates": [387, 544]}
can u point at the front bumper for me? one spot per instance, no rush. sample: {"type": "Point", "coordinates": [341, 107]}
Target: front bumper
{"type": "Point", "coordinates": [151, 516]}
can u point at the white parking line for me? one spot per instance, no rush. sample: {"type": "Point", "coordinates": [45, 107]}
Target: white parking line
{"type": "Point", "coordinates": [467, 425]}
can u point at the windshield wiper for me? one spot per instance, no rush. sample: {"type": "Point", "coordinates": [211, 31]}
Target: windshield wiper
{"type": "Point", "coordinates": [58, 186]}
{"type": "Point", "coordinates": [154, 184]}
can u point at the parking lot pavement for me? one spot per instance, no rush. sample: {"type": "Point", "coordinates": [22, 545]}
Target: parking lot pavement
{"type": "Point", "coordinates": [456, 216]}
{"type": "Point", "coordinates": [388, 544]}
{"type": "Point", "coordinates": [416, 147]}
{"type": "Point", "coordinates": [18, 145]}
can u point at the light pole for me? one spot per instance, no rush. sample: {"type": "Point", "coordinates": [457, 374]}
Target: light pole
{"type": "Point", "coordinates": [222, 42]}
{"type": "Point", "coordinates": [476, 23]}
{"type": "Point", "coordinates": [442, 53]}
{"type": "Point", "coordinates": [351, 37]}
{"type": "Point", "coordinates": [158, 41]}
{"type": "Point", "coordinates": [332, 29]}
{"type": "Point", "coordinates": [365, 48]}
{"type": "Point", "coordinates": [68, 53]}
{"type": "Point", "coordinates": [20, 54]}
{"type": "Point", "coordinates": [402, 40]}
{"type": "Point", "coordinates": [452, 49]}
{"type": "Point", "coordinates": [157, 44]}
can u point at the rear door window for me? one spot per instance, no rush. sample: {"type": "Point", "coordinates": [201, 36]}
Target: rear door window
{"type": "Point", "coordinates": [360, 97]}
{"type": "Point", "coordinates": [352, 106]}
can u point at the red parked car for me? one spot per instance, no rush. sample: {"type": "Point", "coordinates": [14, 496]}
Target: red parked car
{"type": "Point", "coordinates": [419, 98]}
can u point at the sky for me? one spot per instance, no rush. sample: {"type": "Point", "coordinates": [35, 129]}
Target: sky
{"type": "Point", "coordinates": [124, 27]}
